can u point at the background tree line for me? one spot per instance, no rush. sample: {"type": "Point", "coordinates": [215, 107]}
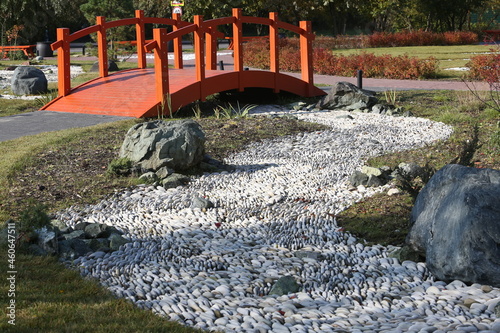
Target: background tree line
{"type": "Point", "coordinates": [30, 21]}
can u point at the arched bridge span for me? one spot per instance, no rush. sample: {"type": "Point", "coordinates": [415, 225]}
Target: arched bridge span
{"type": "Point", "coordinates": [143, 92]}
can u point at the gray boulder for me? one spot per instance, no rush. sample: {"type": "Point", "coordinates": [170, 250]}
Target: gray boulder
{"type": "Point", "coordinates": [456, 225]}
{"type": "Point", "coordinates": [345, 95]}
{"type": "Point", "coordinates": [98, 230]}
{"type": "Point", "coordinates": [371, 177]}
{"type": "Point", "coordinates": [411, 170]}
{"type": "Point", "coordinates": [98, 244]}
{"type": "Point", "coordinates": [201, 203]}
{"type": "Point", "coordinates": [179, 145]}
{"type": "Point", "coordinates": [112, 67]}
{"type": "Point", "coordinates": [28, 80]}
{"type": "Point", "coordinates": [115, 241]}
{"type": "Point", "coordinates": [73, 248]}
{"type": "Point", "coordinates": [284, 286]}
{"type": "Point", "coordinates": [47, 239]}
{"type": "Point", "coordinates": [164, 172]}
{"type": "Point", "coordinates": [149, 177]}
{"type": "Point", "coordinates": [80, 234]}
{"type": "Point", "coordinates": [175, 180]}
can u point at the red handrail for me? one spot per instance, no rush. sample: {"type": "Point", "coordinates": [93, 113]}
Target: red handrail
{"type": "Point", "coordinates": [205, 41]}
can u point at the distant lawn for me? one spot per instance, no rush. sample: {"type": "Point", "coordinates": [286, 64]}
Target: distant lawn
{"type": "Point", "coordinates": [448, 56]}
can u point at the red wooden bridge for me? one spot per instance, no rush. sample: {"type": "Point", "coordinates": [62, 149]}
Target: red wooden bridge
{"type": "Point", "coordinates": [144, 92]}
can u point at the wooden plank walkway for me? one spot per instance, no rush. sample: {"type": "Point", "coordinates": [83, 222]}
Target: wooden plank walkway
{"type": "Point", "coordinates": [130, 93]}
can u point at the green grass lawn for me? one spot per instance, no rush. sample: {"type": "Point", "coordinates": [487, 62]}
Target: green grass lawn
{"type": "Point", "coordinates": [448, 56]}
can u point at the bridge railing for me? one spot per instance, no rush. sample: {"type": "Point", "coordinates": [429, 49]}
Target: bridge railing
{"type": "Point", "coordinates": [64, 38]}
{"type": "Point", "coordinates": [205, 44]}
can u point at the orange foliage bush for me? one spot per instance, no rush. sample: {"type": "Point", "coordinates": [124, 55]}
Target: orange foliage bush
{"type": "Point", "coordinates": [421, 38]}
{"type": "Point", "coordinates": [326, 62]}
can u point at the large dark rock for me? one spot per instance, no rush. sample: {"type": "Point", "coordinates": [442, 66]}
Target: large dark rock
{"type": "Point", "coordinates": [456, 225]}
{"type": "Point", "coordinates": [73, 248]}
{"type": "Point", "coordinates": [112, 67]}
{"type": "Point", "coordinates": [47, 239]}
{"type": "Point", "coordinates": [284, 286]}
{"type": "Point", "coordinates": [28, 80]}
{"type": "Point", "coordinates": [179, 145]}
{"type": "Point", "coordinates": [345, 95]}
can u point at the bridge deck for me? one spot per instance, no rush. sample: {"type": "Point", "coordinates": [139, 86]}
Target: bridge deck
{"type": "Point", "coordinates": [133, 92]}
{"type": "Point", "coordinates": [127, 93]}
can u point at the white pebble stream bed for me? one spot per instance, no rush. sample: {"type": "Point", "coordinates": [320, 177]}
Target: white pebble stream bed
{"type": "Point", "coordinates": [274, 216]}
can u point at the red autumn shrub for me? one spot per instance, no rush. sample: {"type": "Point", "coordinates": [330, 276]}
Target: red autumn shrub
{"type": "Point", "coordinates": [460, 37]}
{"type": "Point", "coordinates": [256, 53]}
{"type": "Point", "coordinates": [328, 63]}
{"type": "Point", "coordinates": [421, 38]}
{"type": "Point", "coordinates": [485, 67]}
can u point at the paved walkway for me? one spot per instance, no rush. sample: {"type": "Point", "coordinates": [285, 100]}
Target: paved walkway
{"type": "Point", "coordinates": [13, 127]}
{"type": "Point", "coordinates": [16, 126]}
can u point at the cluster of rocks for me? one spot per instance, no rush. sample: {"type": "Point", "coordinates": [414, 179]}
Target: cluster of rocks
{"type": "Point", "coordinates": [161, 151]}
{"type": "Point", "coordinates": [70, 243]}
{"type": "Point", "coordinates": [346, 96]}
{"type": "Point", "coordinates": [373, 177]}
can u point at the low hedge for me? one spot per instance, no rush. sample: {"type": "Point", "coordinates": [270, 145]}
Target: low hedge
{"type": "Point", "coordinates": [325, 62]}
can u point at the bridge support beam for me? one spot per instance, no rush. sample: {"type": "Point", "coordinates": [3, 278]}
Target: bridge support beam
{"type": "Point", "coordinates": [178, 63]}
{"type": "Point", "coordinates": [238, 45]}
{"type": "Point", "coordinates": [141, 39]}
{"type": "Point", "coordinates": [160, 47]}
{"type": "Point", "coordinates": [102, 47]}
{"type": "Point", "coordinates": [63, 62]}
{"type": "Point", "coordinates": [199, 49]}
{"type": "Point", "coordinates": [274, 48]}
{"type": "Point", "coordinates": [306, 56]}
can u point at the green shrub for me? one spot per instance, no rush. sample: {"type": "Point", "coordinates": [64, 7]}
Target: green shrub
{"type": "Point", "coordinates": [32, 218]}
{"type": "Point", "coordinates": [119, 167]}
{"type": "Point", "coordinates": [17, 55]}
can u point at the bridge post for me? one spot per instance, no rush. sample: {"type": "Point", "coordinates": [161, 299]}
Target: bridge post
{"type": "Point", "coordinates": [63, 62]}
{"type": "Point", "coordinates": [102, 47]}
{"type": "Point", "coordinates": [212, 49]}
{"type": "Point", "coordinates": [306, 63]}
{"type": "Point", "coordinates": [161, 65]}
{"type": "Point", "coordinates": [274, 48]}
{"type": "Point", "coordinates": [199, 49]}
{"type": "Point", "coordinates": [238, 45]}
{"type": "Point", "coordinates": [178, 63]}
{"type": "Point", "coordinates": [141, 39]}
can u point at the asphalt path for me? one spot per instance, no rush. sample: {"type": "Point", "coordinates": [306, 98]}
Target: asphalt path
{"type": "Point", "coordinates": [13, 127]}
